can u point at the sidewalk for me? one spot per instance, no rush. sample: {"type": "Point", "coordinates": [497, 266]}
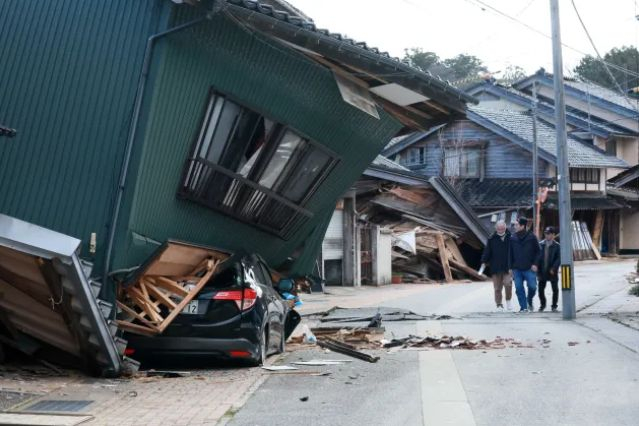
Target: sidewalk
{"type": "Point", "coordinates": [202, 398]}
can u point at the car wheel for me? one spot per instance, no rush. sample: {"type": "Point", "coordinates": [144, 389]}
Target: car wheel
{"type": "Point", "coordinates": [262, 349]}
{"type": "Point", "coordinates": [282, 347]}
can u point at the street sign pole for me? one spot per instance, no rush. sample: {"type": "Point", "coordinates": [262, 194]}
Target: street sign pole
{"type": "Point", "coordinates": [563, 172]}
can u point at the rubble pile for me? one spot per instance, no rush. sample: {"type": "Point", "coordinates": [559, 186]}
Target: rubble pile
{"type": "Point", "coordinates": [453, 342]}
{"type": "Point", "coordinates": [428, 235]}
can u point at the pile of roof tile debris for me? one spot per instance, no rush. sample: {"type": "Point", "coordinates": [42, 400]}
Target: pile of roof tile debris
{"type": "Point", "coordinates": [428, 235]}
{"type": "Point", "coordinates": [453, 342]}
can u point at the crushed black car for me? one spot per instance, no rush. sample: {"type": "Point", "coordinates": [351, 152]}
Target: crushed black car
{"type": "Point", "coordinates": [239, 314]}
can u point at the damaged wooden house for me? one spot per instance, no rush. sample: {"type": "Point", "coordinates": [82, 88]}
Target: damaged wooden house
{"type": "Point", "coordinates": [395, 225]}
{"type": "Point", "coordinates": [228, 123]}
{"type": "Point", "coordinates": [487, 158]}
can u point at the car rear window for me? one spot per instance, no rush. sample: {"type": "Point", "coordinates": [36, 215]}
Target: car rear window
{"type": "Point", "coordinates": [229, 276]}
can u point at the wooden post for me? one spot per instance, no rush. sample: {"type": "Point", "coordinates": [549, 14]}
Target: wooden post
{"type": "Point", "coordinates": [598, 228]}
{"type": "Point", "coordinates": [443, 256]}
{"type": "Point", "coordinates": [452, 246]}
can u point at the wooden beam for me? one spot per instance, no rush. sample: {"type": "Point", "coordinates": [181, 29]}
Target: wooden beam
{"type": "Point", "coordinates": [444, 258]}
{"type": "Point", "coordinates": [170, 285]}
{"type": "Point", "coordinates": [598, 228]}
{"type": "Point", "coordinates": [468, 271]}
{"type": "Point", "coordinates": [212, 266]}
{"type": "Point", "coordinates": [134, 328]}
{"type": "Point", "coordinates": [452, 246]}
{"type": "Point", "coordinates": [161, 296]}
{"type": "Point", "coordinates": [137, 316]}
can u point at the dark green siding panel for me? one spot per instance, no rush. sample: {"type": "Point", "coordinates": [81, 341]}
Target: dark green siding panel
{"type": "Point", "coordinates": [68, 76]}
{"type": "Point", "coordinates": [270, 78]}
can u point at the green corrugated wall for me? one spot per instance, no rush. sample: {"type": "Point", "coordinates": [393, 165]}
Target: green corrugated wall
{"type": "Point", "coordinates": [68, 76]}
{"type": "Point", "coordinates": [268, 77]}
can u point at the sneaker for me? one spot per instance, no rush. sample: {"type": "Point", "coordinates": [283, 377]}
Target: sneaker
{"type": "Point", "coordinates": [500, 308]}
{"type": "Point", "coordinates": [542, 308]}
{"type": "Point", "coordinates": [555, 309]}
{"type": "Point", "coordinates": [509, 305]}
{"type": "Point", "coordinates": [531, 308]}
{"type": "Point", "coordinates": [523, 310]}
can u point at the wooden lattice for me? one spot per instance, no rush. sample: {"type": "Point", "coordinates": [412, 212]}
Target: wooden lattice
{"type": "Point", "coordinates": [157, 296]}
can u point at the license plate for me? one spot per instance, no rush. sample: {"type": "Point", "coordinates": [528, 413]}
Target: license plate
{"type": "Point", "coordinates": [191, 308]}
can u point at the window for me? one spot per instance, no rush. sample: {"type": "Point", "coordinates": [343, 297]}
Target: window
{"type": "Point", "coordinates": [254, 169]}
{"type": "Point", "coordinates": [462, 162]}
{"type": "Point", "coordinates": [416, 156]}
{"type": "Point", "coordinates": [584, 176]}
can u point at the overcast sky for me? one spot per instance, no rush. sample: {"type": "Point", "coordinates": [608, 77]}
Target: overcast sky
{"type": "Point", "coordinates": [449, 27]}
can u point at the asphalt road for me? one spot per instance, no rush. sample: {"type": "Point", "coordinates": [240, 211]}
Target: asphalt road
{"type": "Point", "coordinates": [587, 374]}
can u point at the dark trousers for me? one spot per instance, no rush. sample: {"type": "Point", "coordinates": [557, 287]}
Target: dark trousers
{"type": "Point", "coordinates": [542, 291]}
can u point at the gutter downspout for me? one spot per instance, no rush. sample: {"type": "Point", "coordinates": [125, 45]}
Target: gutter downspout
{"type": "Point", "coordinates": [135, 118]}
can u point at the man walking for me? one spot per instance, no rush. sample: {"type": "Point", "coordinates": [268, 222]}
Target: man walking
{"type": "Point", "coordinates": [496, 255]}
{"type": "Point", "coordinates": [524, 251]}
{"type": "Point", "coordinates": [547, 266]}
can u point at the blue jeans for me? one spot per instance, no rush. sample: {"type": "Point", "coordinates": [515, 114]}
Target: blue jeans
{"type": "Point", "coordinates": [531, 282]}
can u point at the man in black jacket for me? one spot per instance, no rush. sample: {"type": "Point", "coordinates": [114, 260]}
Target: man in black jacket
{"type": "Point", "coordinates": [547, 268]}
{"type": "Point", "coordinates": [496, 255]}
{"type": "Point", "coordinates": [524, 251]}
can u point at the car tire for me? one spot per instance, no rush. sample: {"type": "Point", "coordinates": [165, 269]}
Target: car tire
{"type": "Point", "coordinates": [262, 349]}
{"type": "Point", "coordinates": [282, 346]}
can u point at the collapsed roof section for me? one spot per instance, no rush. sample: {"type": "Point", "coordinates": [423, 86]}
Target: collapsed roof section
{"type": "Point", "coordinates": [417, 99]}
{"type": "Point", "coordinates": [47, 303]}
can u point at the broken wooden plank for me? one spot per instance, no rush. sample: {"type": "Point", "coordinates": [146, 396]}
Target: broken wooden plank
{"type": "Point", "coordinates": [598, 228]}
{"type": "Point", "coordinates": [345, 349]}
{"type": "Point", "coordinates": [135, 328]}
{"type": "Point", "coordinates": [443, 256]}
{"type": "Point", "coordinates": [136, 315]}
{"type": "Point", "coordinates": [211, 266]}
{"type": "Point", "coordinates": [171, 285]}
{"type": "Point", "coordinates": [162, 298]}
{"type": "Point", "coordinates": [468, 271]}
{"type": "Point", "coordinates": [452, 246]}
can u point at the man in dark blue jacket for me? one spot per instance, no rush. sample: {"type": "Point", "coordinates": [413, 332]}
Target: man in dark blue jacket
{"type": "Point", "coordinates": [524, 252]}
{"type": "Point", "coordinates": [496, 256]}
{"type": "Point", "coordinates": [547, 268]}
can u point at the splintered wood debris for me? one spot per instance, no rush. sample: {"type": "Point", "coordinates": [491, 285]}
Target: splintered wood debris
{"type": "Point", "coordinates": [165, 287]}
{"type": "Point", "coordinates": [453, 342]}
{"type": "Point", "coordinates": [428, 235]}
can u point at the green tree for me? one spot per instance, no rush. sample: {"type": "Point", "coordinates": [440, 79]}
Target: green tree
{"type": "Point", "coordinates": [418, 58]}
{"type": "Point", "coordinates": [592, 69]}
{"type": "Point", "coordinates": [459, 67]}
{"type": "Point", "coordinates": [511, 74]}
{"type": "Point", "coordinates": [464, 66]}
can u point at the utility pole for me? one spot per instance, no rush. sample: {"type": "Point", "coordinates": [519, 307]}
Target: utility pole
{"type": "Point", "coordinates": [535, 163]}
{"type": "Point", "coordinates": [563, 172]}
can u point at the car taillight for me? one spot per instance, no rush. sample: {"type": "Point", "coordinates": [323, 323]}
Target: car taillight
{"type": "Point", "coordinates": [250, 297]}
{"type": "Point", "coordinates": [129, 351]}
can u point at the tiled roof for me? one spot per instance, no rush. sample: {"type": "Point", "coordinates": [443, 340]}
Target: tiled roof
{"type": "Point", "coordinates": [496, 193]}
{"type": "Point", "coordinates": [362, 48]}
{"type": "Point", "coordinates": [628, 178]}
{"type": "Point", "coordinates": [382, 161]}
{"type": "Point", "coordinates": [400, 143]}
{"type": "Point", "coordinates": [519, 124]}
{"type": "Point", "coordinates": [606, 94]}
{"type": "Point", "coordinates": [588, 88]}
{"type": "Point", "coordinates": [583, 122]}
{"type": "Point", "coordinates": [587, 201]}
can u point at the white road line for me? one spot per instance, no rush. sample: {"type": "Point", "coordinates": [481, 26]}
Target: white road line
{"type": "Point", "coordinates": [444, 400]}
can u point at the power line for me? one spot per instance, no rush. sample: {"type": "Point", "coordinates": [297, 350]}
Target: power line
{"type": "Point", "coordinates": [592, 43]}
{"type": "Point", "coordinates": [539, 32]}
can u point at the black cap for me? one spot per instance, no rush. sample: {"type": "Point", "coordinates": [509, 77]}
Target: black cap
{"type": "Point", "coordinates": [522, 221]}
{"type": "Point", "coordinates": [550, 230]}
